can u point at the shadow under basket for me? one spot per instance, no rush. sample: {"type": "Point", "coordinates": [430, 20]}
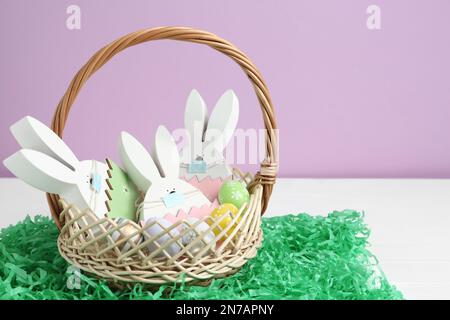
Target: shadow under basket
{"type": "Point", "coordinates": [121, 251]}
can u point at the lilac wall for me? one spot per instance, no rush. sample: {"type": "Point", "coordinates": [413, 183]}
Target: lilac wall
{"type": "Point", "coordinates": [350, 102]}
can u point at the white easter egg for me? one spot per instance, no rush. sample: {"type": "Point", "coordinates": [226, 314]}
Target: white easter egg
{"type": "Point", "coordinates": [127, 229]}
{"type": "Point", "coordinates": [208, 240]}
{"type": "Point", "coordinates": [154, 227]}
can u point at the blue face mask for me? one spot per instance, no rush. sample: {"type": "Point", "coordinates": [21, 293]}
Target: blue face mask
{"type": "Point", "coordinates": [197, 166]}
{"type": "Point", "coordinates": [96, 182]}
{"type": "Point", "coordinates": [173, 199]}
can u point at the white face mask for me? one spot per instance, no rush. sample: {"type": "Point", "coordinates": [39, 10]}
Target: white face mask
{"type": "Point", "coordinates": [197, 166]}
{"type": "Point", "coordinates": [170, 200]}
{"type": "Point", "coordinates": [173, 199]}
{"type": "Point", "coordinates": [200, 166]}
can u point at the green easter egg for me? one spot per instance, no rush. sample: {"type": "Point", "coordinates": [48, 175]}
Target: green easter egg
{"type": "Point", "coordinates": [233, 192]}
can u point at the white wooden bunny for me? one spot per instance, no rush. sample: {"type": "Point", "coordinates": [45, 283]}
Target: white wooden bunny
{"type": "Point", "coordinates": [48, 164]}
{"type": "Point", "coordinates": [202, 157]}
{"type": "Point", "coordinates": [158, 177]}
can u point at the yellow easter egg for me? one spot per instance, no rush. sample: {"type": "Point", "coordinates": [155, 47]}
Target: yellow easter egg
{"type": "Point", "coordinates": [230, 211]}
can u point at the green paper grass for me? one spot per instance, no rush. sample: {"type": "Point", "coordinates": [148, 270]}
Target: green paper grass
{"type": "Point", "coordinates": [302, 257]}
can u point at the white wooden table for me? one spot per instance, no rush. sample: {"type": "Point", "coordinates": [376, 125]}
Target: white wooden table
{"type": "Point", "coordinates": [410, 221]}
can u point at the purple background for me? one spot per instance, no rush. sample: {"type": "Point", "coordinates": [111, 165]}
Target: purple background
{"type": "Point", "coordinates": [350, 102]}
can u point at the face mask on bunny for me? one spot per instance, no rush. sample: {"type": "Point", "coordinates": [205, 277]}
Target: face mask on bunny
{"type": "Point", "coordinates": [48, 164]}
{"type": "Point", "coordinates": [158, 177]}
{"type": "Point", "coordinates": [207, 138]}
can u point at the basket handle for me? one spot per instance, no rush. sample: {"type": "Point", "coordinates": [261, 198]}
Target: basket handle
{"type": "Point", "coordinates": [269, 167]}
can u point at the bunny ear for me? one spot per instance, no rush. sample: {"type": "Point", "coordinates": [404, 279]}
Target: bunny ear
{"type": "Point", "coordinates": [167, 153]}
{"type": "Point", "coordinates": [195, 117]}
{"type": "Point", "coordinates": [137, 161]}
{"type": "Point", "coordinates": [223, 120]}
{"type": "Point", "coordinates": [41, 171]}
{"type": "Point", "coordinates": [30, 133]}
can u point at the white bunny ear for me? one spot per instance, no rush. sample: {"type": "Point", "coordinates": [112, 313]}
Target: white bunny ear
{"type": "Point", "coordinates": [167, 153]}
{"type": "Point", "coordinates": [195, 119]}
{"type": "Point", "coordinates": [30, 133]}
{"type": "Point", "coordinates": [137, 162]}
{"type": "Point", "coordinates": [223, 120]}
{"type": "Point", "coordinates": [41, 171]}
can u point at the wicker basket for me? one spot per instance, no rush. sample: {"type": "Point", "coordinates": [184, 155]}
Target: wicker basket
{"type": "Point", "coordinates": [95, 245]}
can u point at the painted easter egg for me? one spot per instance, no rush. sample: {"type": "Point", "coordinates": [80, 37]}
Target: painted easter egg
{"type": "Point", "coordinates": [126, 234]}
{"type": "Point", "coordinates": [155, 226]}
{"type": "Point", "coordinates": [225, 214]}
{"type": "Point", "coordinates": [207, 240]}
{"type": "Point", "coordinates": [233, 192]}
